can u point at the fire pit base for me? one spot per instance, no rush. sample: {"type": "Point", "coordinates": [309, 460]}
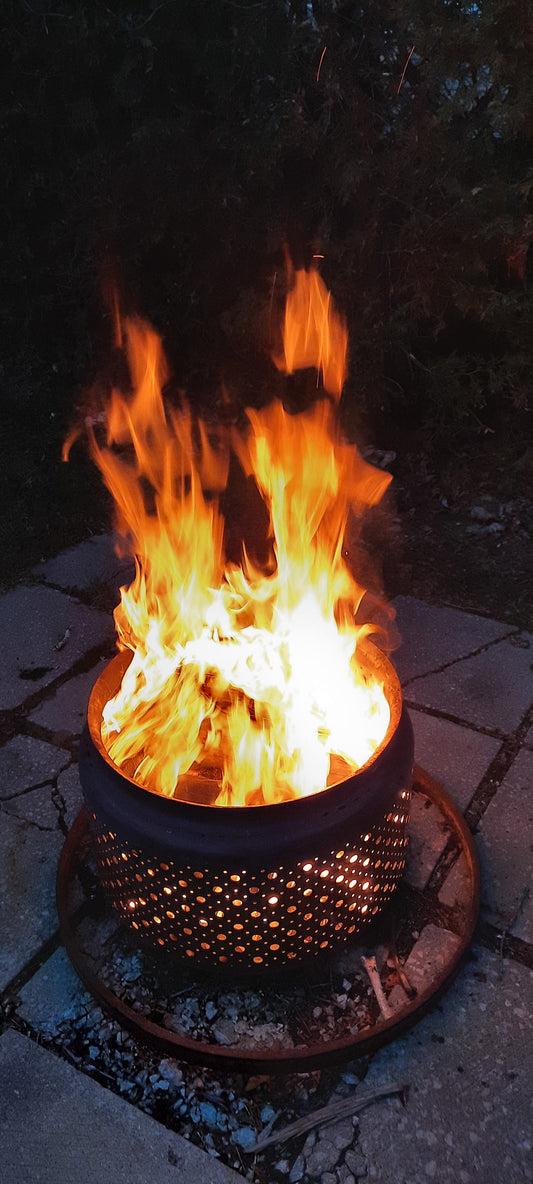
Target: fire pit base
{"type": "Point", "coordinates": [327, 1013]}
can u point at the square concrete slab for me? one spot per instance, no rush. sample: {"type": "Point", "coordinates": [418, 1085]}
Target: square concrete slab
{"type": "Point", "coordinates": [66, 710]}
{"type": "Point", "coordinates": [432, 636]}
{"type": "Point", "coordinates": [33, 623]}
{"type": "Point", "coordinates": [29, 851]}
{"type": "Point", "coordinates": [25, 762]}
{"type": "Point", "coordinates": [505, 844]}
{"type": "Point", "coordinates": [469, 1113]}
{"type": "Point", "coordinates": [455, 756]}
{"type": "Point", "coordinates": [59, 1127]}
{"type": "Point", "coordinates": [92, 562]}
{"type": "Point", "coordinates": [492, 690]}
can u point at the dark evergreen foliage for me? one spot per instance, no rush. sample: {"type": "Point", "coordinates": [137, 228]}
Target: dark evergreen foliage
{"type": "Point", "coordinates": [177, 145]}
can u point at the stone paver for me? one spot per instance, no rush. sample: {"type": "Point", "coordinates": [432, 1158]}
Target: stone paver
{"type": "Point", "coordinates": [505, 844]}
{"type": "Point", "coordinates": [469, 1114]}
{"type": "Point", "coordinates": [432, 636]}
{"type": "Point", "coordinates": [68, 784]}
{"type": "Point", "coordinates": [30, 843]}
{"type": "Point", "coordinates": [59, 1126]}
{"type": "Point", "coordinates": [457, 883]}
{"type": "Point", "coordinates": [455, 756]}
{"type": "Point", "coordinates": [84, 567]}
{"type": "Point", "coordinates": [67, 709]}
{"type": "Point", "coordinates": [492, 690]}
{"type": "Point", "coordinates": [428, 835]}
{"type": "Point", "coordinates": [25, 762]}
{"type": "Point", "coordinates": [434, 951]}
{"type": "Point", "coordinates": [435, 947]}
{"type": "Point", "coordinates": [33, 622]}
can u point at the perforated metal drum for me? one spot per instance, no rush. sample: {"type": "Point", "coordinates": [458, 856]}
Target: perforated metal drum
{"type": "Point", "coordinates": [251, 887]}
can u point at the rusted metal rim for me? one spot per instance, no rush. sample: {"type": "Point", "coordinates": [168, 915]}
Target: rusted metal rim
{"type": "Point", "coordinates": [300, 1059]}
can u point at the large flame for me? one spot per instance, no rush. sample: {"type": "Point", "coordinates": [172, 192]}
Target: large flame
{"type": "Point", "coordinates": [243, 679]}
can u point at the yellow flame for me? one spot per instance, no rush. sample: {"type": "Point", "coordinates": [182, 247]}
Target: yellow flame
{"type": "Point", "coordinates": [244, 677]}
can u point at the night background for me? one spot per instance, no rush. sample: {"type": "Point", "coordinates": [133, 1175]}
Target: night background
{"type": "Point", "coordinates": [173, 149]}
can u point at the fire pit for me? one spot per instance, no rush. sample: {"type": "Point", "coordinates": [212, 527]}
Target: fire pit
{"type": "Point", "coordinates": [247, 761]}
{"type": "Point", "coordinates": [257, 886]}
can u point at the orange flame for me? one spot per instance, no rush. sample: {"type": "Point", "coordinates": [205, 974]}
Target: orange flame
{"type": "Point", "coordinates": [313, 333]}
{"type": "Point", "coordinates": [244, 677]}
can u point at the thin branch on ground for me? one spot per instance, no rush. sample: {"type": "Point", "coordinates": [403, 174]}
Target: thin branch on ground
{"type": "Point", "coordinates": [331, 1113]}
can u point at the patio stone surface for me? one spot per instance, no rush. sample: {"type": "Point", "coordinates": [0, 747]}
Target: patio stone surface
{"type": "Point", "coordinates": [29, 851]}
{"type": "Point", "coordinates": [492, 690]}
{"type": "Point", "coordinates": [33, 622]}
{"type": "Point", "coordinates": [432, 636]}
{"type": "Point", "coordinates": [505, 845]}
{"type": "Point", "coordinates": [69, 788]}
{"type": "Point", "coordinates": [432, 953]}
{"type": "Point", "coordinates": [66, 710]}
{"type": "Point", "coordinates": [80, 1133]}
{"type": "Point", "coordinates": [453, 888]}
{"type": "Point", "coordinates": [427, 841]}
{"type": "Point", "coordinates": [84, 567]}
{"type": "Point", "coordinates": [469, 1114]}
{"type": "Point", "coordinates": [455, 756]}
{"type": "Point", "coordinates": [25, 762]}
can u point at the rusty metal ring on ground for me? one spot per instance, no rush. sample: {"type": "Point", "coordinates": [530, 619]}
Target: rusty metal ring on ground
{"type": "Point", "coordinates": [299, 1059]}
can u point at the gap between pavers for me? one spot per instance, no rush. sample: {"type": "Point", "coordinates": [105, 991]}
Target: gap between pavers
{"type": "Point", "coordinates": [57, 1125]}
{"type": "Point", "coordinates": [432, 636]}
{"type": "Point", "coordinates": [25, 761]}
{"type": "Point", "coordinates": [66, 710]}
{"type": "Point", "coordinates": [456, 756]}
{"type": "Point", "coordinates": [494, 689]}
{"type": "Point", "coordinates": [469, 1113]}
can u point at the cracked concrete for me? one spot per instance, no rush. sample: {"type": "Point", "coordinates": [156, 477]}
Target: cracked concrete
{"type": "Point", "coordinates": [26, 763]}
{"type": "Point", "coordinates": [470, 683]}
{"type": "Point", "coordinates": [33, 623]}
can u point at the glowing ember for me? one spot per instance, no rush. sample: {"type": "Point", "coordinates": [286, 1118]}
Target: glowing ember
{"type": "Point", "coordinates": [243, 679]}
